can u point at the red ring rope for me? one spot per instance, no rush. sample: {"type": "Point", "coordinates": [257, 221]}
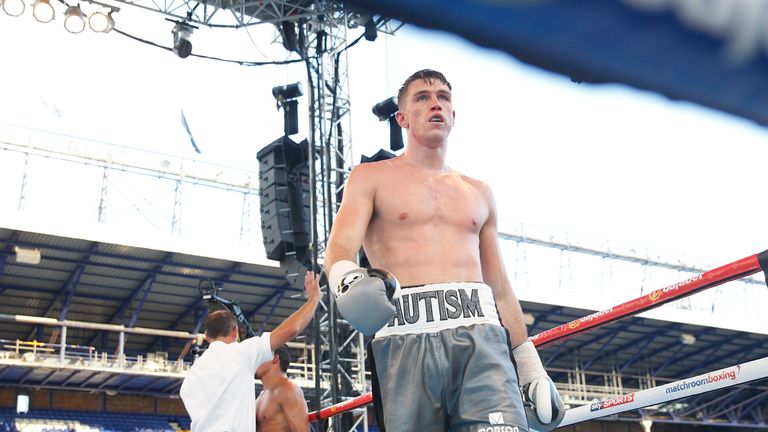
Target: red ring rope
{"type": "Point", "coordinates": [729, 272]}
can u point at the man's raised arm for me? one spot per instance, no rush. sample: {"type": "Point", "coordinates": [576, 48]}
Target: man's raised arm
{"type": "Point", "coordinates": [298, 321]}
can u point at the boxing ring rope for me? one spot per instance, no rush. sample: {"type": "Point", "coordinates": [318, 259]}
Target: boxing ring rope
{"type": "Point", "coordinates": [745, 372]}
{"type": "Point", "coordinates": [722, 378]}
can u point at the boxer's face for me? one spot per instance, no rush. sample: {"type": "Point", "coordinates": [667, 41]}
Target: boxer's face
{"type": "Point", "coordinates": [427, 111]}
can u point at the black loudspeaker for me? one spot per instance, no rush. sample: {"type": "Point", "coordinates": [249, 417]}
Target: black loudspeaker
{"type": "Point", "coordinates": [284, 192]}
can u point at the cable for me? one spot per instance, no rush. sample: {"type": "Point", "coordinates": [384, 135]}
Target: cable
{"type": "Point", "coordinates": [240, 62]}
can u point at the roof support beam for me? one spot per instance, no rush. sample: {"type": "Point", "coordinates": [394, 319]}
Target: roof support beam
{"type": "Point", "coordinates": [600, 351]}
{"type": "Point", "coordinates": [199, 303]}
{"type": "Point", "coordinates": [71, 292]}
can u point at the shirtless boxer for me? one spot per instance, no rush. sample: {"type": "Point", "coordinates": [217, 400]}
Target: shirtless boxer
{"type": "Point", "coordinates": [280, 406]}
{"type": "Point", "coordinates": [442, 308]}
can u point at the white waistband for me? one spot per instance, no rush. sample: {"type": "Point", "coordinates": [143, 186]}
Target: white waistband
{"type": "Point", "coordinates": [435, 307]}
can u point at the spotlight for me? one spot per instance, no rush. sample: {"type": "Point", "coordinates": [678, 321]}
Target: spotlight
{"type": "Point", "coordinates": [181, 44]}
{"type": "Point", "coordinates": [13, 7]}
{"type": "Point", "coordinates": [22, 403]}
{"type": "Point", "coordinates": [370, 32]}
{"type": "Point", "coordinates": [385, 110]}
{"type": "Point", "coordinates": [43, 11]}
{"type": "Point", "coordinates": [286, 96]}
{"type": "Point", "coordinates": [687, 338]}
{"type": "Point", "coordinates": [287, 92]}
{"type": "Point", "coordinates": [27, 256]}
{"type": "Point", "coordinates": [101, 22]}
{"type": "Point", "coordinates": [74, 20]}
{"type": "Point", "coordinates": [290, 37]}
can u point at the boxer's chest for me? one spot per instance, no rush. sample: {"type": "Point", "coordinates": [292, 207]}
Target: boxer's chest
{"type": "Point", "coordinates": [446, 199]}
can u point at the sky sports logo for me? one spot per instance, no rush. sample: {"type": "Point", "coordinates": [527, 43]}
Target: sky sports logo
{"type": "Point", "coordinates": [612, 402]}
{"type": "Point", "coordinates": [728, 374]}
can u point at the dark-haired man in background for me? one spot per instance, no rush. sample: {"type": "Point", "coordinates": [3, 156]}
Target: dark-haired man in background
{"type": "Point", "coordinates": [281, 406]}
{"type": "Point", "coordinates": [219, 392]}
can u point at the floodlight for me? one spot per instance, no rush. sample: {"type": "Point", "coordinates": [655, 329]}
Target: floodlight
{"type": "Point", "coordinates": [287, 92]}
{"type": "Point", "coordinates": [181, 44]}
{"type": "Point", "coordinates": [13, 7]}
{"type": "Point", "coordinates": [22, 403]}
{"type": "Point", "coordinates": [385, 109]}
{"type": "Point", "coordinates": [43, 11]}
{"type": "Point", "coordinates": [286, 96]}
{"type": "Point", "coordinates": [101, 21]}
{"type": "Point", "coordinates": [687, 338]}
{"type": "Point", "coordinates": [74, 20]}
{"type": "Point", "coordinates": [27, 256]}
{"type": "Point", "coordinates": [370, 32]}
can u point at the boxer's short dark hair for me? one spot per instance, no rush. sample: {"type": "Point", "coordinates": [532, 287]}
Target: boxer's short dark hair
{"type": "Point", "coordinates": [285, 357]}
{"type": "Point", "coordinates": [427, 75]}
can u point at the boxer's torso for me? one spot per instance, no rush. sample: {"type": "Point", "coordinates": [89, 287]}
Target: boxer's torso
{"type": "Point", "coordinates": [269, 414]}
{"type": "Point", "coordinates": [425, 225]}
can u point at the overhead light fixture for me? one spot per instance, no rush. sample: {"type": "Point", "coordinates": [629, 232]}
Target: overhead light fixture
{"type": "Point", "coordinates": [101, 21]}
{"type": "Point", "coordinates": [287, 92]}
{"type": "Point", "coordinates": [74, 19]}
{"type": "Point", "coordinates": [385, 110]}
{"type": "Point", "coordinates": [687, 338]}
{"type": "Point", "coordinates": [43, 11]}
{"type": "Point", "coordinates": [13, 7]}
{"type": "Point", "coordinates": [27, 256]}
{"type": "Point", "coordinates": [181, 44]}
{"type": "Point", "coordinates": [370, 32]}
{"type": "Point", "coordinates": [286, 96]}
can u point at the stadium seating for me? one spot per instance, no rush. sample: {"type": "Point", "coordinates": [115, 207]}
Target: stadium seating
{"type": "Point", "coordinates": [85, 421]}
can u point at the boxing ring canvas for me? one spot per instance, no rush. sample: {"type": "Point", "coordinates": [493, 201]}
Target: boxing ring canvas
{"type": "Point", "coordinates": [713, 53]}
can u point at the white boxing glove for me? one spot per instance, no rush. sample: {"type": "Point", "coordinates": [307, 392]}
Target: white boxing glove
{"type": "Point", "coordinates": [543, 406]}
{"type": "Point", "coordinates": [363, 296]}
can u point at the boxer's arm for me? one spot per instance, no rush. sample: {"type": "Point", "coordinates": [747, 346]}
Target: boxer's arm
{"type": "Point", "coordinates": [543, 406]}
{"type": "Point", "coordinates": [495, 275]}
{"type": "Point", "coordinates": [352, 219]}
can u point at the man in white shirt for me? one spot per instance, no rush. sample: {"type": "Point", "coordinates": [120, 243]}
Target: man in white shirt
{"type": "Point", "coordinates": [218, 392]}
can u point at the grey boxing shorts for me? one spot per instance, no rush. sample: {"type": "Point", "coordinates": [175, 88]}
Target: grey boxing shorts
{"type": "Point", "coordinates": [444, 363]}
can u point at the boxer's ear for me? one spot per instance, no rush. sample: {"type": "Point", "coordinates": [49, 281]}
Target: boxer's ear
{"type": "Point", "coordinates": [401, 120]}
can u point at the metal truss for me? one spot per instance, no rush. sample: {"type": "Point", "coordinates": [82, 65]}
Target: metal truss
{"type": "Point", "coordinates": [340, 351]}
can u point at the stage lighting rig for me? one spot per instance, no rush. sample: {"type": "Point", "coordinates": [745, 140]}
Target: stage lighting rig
{"type": "Point", "coordinates": [286, 97]}
{"type": "Point", "coordinates": [74, 19]}
{"type": "Point", "coordinates": [43, 11]}
{"type": "Point", "coordinates": [181, 33]}
{"type": "Point", "coordinates": [13, 7]}
{"type": "Point", "coordinates": [385, 110]}
{"type": "Point", "coordinates": [102, 21]}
